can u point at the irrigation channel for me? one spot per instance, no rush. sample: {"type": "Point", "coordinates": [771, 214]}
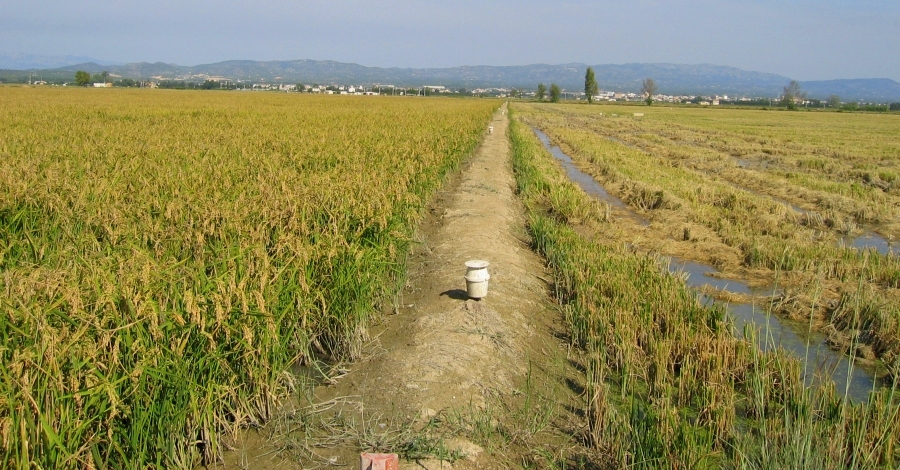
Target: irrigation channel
{"type": "Point", "coordinates": [867, 241]}
{"type": "Point", "coordinates": [870, 240]}
{"type": "Point", "coordinates": [586, 182]}
{"type": "Point", "coordinates": [809, 346]}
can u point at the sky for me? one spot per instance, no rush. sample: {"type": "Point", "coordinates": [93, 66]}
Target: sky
{"type": "Point", "coordinates": [801, 39]}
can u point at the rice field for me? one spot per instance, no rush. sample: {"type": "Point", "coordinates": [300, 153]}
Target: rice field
{"type": "Point", "coordinates": [737, 189]}
{"type": "Point", "coordinates": [668, 384]}
{"type": "Point", "coordinates": [165, 256]}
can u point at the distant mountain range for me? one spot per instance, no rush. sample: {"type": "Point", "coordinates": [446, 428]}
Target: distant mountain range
{"type": "Point", "coordinates": [39, 62]}
{"type": "Point", "coordinates": [672, 79]}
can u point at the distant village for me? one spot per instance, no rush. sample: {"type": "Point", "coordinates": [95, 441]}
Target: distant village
{"type": "Point", "coordinates": [204, 81]}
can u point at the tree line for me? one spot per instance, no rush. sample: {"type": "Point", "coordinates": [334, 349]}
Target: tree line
{"type": "Point", "coordinates": [791, 98]}
{"type": "Point", "coordinates": [592, 88]}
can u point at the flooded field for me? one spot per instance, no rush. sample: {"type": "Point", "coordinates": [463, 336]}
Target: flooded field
{"type": "Point", "coordinates": [719, 319]}
{"type": "Point", "coordinates": [813, 199]}
{"type": "Point", "coordinates": [820, 362]}
{"type": "Point", "coordinates": [872, 241]}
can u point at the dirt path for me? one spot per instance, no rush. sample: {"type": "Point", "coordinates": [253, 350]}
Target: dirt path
{"type": "Point", "coordinates": [443, 354]}
{"type": "Point", "coordinates": [442, 351]}
{"type": "Point", "coordinates": [445, 349]}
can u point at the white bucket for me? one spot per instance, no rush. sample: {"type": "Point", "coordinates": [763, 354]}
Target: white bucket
{"type": "Point", "coordinates": [477, 278]}
{"type": "Point", "coordinates": [490, 129]}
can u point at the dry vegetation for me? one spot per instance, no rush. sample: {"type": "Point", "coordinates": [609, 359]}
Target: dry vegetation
{"type": "Point", "coordinates": [164, 256]}
{"type": "Point", "coordinates": [667, 384]}
{"type": "Point", "coordinates": [761, 195]}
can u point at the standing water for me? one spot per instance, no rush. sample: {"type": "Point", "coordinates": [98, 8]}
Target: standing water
{"type": "Point", "coordinates": [872, 241]}
{"type": "Point", "coordinates": [819, 361]}
{"type": "Point", "coordinates": [585, 181]}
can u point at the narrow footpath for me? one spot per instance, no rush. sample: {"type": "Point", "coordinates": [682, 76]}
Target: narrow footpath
{"type": "Point", "coordinates": [442, 354]}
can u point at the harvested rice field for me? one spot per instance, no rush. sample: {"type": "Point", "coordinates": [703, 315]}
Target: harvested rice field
{"type": "Point", "coordinates": [705, 258]}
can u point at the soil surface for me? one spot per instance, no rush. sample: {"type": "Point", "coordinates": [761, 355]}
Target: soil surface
{"type": "Point", "coordinates": [441, 354]}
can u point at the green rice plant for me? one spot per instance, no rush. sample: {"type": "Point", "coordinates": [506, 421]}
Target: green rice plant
{"type": "Point", "coordinates": [166, 256]}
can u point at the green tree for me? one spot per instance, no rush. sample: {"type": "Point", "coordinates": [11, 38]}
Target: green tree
{"type": "Point", "coordinates": [648, 88]}
{"type": "Point", "coordinates": [792, 95]}
{"type": "Point", "coordinates": [101, 77]}
{"type": "Point", "coordinates": [541, 91]}
{"type": "Point", "coordinates": [82, 78]}
{"type": "Point", "coordinates": [554, 92]}
{"type": "Point", "coordinates": [300, 87]}
{"type": "Point", "coordinates": [834, 101]}
{"type": "Point", "coordinates": [590, 85]}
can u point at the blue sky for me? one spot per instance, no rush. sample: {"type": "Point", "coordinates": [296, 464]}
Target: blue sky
{"type": "Point", "coordinates": [801, 39]}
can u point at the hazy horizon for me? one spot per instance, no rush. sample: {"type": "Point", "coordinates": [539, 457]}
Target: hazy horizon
{"type": "Point", "coordinates": [802, 39]}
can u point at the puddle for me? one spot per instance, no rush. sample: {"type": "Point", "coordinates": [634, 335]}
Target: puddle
{"type": "Point", "coordinates": [585, 181]}
{"type": "Point", "coordinates": [872, 241]}
{"type": "Point", "coordinates": [820, 361]}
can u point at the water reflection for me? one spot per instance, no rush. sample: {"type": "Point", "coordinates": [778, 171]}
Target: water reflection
{"type": "Point", "coordinates": [820, 361]}
{"type": "Point", "coordinates": [871, 241]}
{"type": "Point", "coordinates": [585, 181]}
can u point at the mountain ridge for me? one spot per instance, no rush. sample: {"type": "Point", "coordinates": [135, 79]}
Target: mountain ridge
{"type": "Point", "coordinates": [673, 79]}
{"type": "Point", "coordinates": [43, 62]}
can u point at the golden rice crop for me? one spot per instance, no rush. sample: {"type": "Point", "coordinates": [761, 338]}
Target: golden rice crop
{"type": "Point", "coordinates": [165, 256]}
